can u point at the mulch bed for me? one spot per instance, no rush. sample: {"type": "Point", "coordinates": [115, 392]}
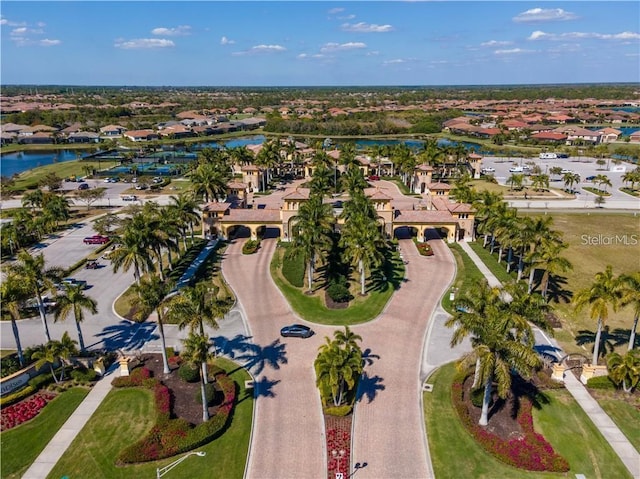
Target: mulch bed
{"type": "Point", "coordinates": [338, 430]}
{"type": "Point", "coordinates": [183, 394]}
{"type": "Point", "coordinates": [331, 304]}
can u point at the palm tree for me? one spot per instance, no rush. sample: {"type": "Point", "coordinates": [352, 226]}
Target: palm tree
{"type": "Point", "coordinates": [363, 245]}
{"type": "Point", "coordinates": [347, 339]}
{"type": "Point", "coordinates": [13, 294]}
{"type": "Point", "coordinates": [552, 263]}
{"type": "Point", "coordinates": [48, 355]}
{"type": "Point", "coordinates": [187, 211]}
{"type": "Point", "coordinates": [196, 306]}
{"type": "Point", "coordinates": [74, 300]}
{"type": "Point", "coordinates": [624, 370]}
{"type": "Point", "coordinates": [314, 229]}
{"type": "Point", "coordinates": [602, 180]}
{"type": "Point", "coordinates": [36, 277]}
{"type": "Point", "coordinates": [631, 297]}
{"type": "Point", "coordinates": [516, 181]}
{"type": "Point", "coordinates": [337, 371]}
{"type": "Point", "coordinates": [269, 157]}
{"type": "Point", "coordinates": [132, 247]}
{"type": "Point", "coordinates": [210, 181]}
{"type": "Point", "coordinates": [604, 292]}
{"type": "Point", "coordinates": [152, 292]}
{"type": "Point", "coordinates": [196, 353]}
{"type": "Point", "coordinates": [570, 179]}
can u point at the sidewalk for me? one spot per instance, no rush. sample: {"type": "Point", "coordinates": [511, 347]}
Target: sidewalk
{"type": "Point", "coordinates": [612, 434]}
{"type": "Point", "coordinates": [52, 453]}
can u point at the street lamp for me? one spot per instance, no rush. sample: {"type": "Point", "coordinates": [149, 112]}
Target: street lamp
{"type": "Point", "coordinates": [161, 471]}
{"type": "Point", "coordinates": [338, 456]}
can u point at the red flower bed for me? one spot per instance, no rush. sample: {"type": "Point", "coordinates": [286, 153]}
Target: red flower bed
{"type": "Point", "coordinates": [25, 410]}
{"type": "Point", "coordinates": [531, 452]}
{"type": "Point", "coordinates": [424, 249]}
{"type": "Point", "coordinates": [338, 445]}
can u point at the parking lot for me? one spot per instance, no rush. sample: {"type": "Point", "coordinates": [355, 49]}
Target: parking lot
{"type": "Point", "coordinates": [584, 166]}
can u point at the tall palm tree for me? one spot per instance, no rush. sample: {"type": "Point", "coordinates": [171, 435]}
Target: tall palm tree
{"type": "Point", "coordinates": [347, 339]}
{"type": "Point", "coordinates": [210, 181]}
{"type": "Point", "coordinates": [47, 356]}
{"type": "Point", "coordinates": [152, 292]}
{"type": "Point", "coordinates": [132, 247]}
{"type": "Point", "coordinates": [74, 300]}
{"type": "Point", "coordinates": [552, 263]}
{"type": "Point", "coordinates": [604, 293]}
{"type": "Point", "coordinates": [363, 245]}
{"type": "Point", "coordinates": [631, 297]}
{"type": "Point", "coordinates": [570, 179]}
{"type": "Point", "coordinates": [187, 210]}
{"type": "Point", "coordinates": [314, 229]}
{"type": "Point", "coordinates": [197, 306]}
{"type": "Point", "coordinates": [36, 277]}
{"type": "Point", "coordinates": [13, 294]}
{"type": "Point", "coordinates": [196, 353]}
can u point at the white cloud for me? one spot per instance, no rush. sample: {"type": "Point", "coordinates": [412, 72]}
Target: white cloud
{"type": "Point", "coordinates": [395, 61]}
{"type": "Point", "coordinates": [544, 15]}
{"type": "Point", "coordinates": [362, 27]}
{"type": "Point", "coordinates": [347, 17]}
{"type": "Point", "coordinates": [495, 43]}
{"type": "Point", "coordinates": [334, 47]}
{"type": "Point", "coordinates": [226, 41]}
{"type": "Point", "coordinates": [258, 49]}
{"type": "Point", "coordinates": [46, 42]}
{"type": "Point", "coordinates": [333, 11]}
{"type": "Point", "coordinates": [9, 23]}
{"type": "Point", "coordinates": [178, 31]}
{"type": "Point", "coordinates": [143, 43]}
{"type": "Point", "coordinates": [304, 56]}
{"type": "Point", "coordinates": [623, 36]}
{"type": "Point", "coordinates": [512, 51]}
{"type": "Point", "coordinates": [41, 24]}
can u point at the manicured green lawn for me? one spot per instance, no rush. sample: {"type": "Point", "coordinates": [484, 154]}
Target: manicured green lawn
{"type": "Point", "coordinates": [312, 308]}
{"type": "Point", "coordinates": [467, 274]}
{"type": "Point", "coordinates": [626, 417]}
{"type": "Point", "coordinates": [127, 414]}
{"type": "Point", "coordinates": [455, 454]}
{"type": "Point", "coordinates": [29, 179]}
{"type": "Point", "coordinates": [498, 270]}
{"type": "Point", "coordinates": [22, 445]}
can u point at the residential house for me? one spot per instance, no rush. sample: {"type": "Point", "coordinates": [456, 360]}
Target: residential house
{"type": "Point", "coordinates": [112, 131]}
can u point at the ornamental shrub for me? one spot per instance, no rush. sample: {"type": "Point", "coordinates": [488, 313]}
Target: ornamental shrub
{"type": "Point", "coordinates": [293, 268]}
{"type": "Point", "coordinates": [210, 394]}
{"type": "Point", "coordinates": [601, 382]}
{"type": "Point", "coordinates": [339, 292]}
{"type": "Point", "coordinates": [250, 246]}
{"type": "Point", "coordinates": [188, 373]}
{"type": "Point", "coordinates": [84, 375]}
{"type": "Point", "coordinates": [339, 411]}
{"type": "Point", "coordinates": [16, 396]}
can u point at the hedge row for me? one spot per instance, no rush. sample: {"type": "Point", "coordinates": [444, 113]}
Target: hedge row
{"type": "Point", "coordinates": [293, 268]}
{"type": "Point", "coordinates": [531, 452]}
{"type": "Point", "coordinates": [169, 437]}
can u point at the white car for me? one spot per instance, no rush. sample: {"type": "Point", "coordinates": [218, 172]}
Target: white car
{"type": "Point", "coordinates": [564, 171]}
{"type": "Point", "coordinates": [488, 170]}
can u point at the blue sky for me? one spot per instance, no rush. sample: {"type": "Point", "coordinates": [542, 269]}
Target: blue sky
{"type": "Point", "coordinates": [318, 43]}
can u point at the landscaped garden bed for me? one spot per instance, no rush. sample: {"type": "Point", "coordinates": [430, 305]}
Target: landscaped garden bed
{"type": "Point", "coordinates": [178, 426]}
{"type": "Point", "coordinates": [338, 430]}
{"type": "Point", "coordinates": [25, 410]}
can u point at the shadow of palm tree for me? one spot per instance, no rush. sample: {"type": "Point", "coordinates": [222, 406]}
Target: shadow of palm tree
{"type": "Point", "coordinates": [264, 387]}
{"type": "Point", "coordinates": [608, 340]}
{"type": "Point", "coordinates": [368, 387]}
{"type": "Point", "coordinates": [556, 290]}
{"type": "Point", "coordinates": [626, 333]}
{"type": "Point", "coordinates": [252, 356]}
{"type": "Point", "coordinates": [368, 358]}
{"type": "Point", "coordinates": [388, 274]}
{"type": "Point", "coordinates": [548, 352]}
{"type": "Point", "coordinates": [126, 335]}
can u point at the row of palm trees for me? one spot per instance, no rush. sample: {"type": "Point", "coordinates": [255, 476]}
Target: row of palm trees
{"type": "Point", "coordinates": [528, 241]}
{"type": "Point", "coordinates": [29, 277]}
{"type": "Point", "coordinates": [361, 238]}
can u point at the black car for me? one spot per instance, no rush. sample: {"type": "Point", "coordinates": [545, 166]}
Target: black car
{"type": "Point", "coordinates": [296, 331]}
{"type": "Point", "coordinates": [590, 178]}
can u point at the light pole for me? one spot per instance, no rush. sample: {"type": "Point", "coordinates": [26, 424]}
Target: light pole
{"type": "Point", "coordinates": [161, 471]}
{"type": "Point", "coordinates": [338, 456]}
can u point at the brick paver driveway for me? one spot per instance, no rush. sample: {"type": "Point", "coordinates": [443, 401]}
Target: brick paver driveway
{"type": "Point", "coordinates": [288, 435]}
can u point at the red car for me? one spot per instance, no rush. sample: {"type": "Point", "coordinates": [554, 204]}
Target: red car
{"type": "Point", "coordinates": [96, 239]}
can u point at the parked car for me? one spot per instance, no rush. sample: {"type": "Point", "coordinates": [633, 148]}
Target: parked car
{"type": "Point", "coordinates": [129, 198]}
{"type": "Point", "coordinates": [141, 186]}
{"type": "Point", "coordinates": [590, 178]}
{"type": "Point", "coordinates": [83, 186]}
{"type": "Point", "coordinates": [96, 239]}
{"type": "Point", "coordinates": [374, 178]}
{"type": "Point", "coordinates": [296, 331]}
{"type": "Point", "coordinates": [73, 282]}
{"type": "Point", "coordinates": [92, 265]}
{"type": "Point", "coordinates": [564, 171]}
{"type": "Point", "coordinates": [157, 180]}
{"type": "Point", "coordinates": [488, 170]}
{"type": "Point", "coordinates": [516, 169]}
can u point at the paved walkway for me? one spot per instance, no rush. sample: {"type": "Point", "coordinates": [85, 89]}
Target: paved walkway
{"type": "Point", "coordinates": [612, 434]}
{"type": "Point", "coordinates": [52, 453]}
